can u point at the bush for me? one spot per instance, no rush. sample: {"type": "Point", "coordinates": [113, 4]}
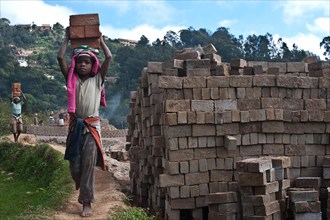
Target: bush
{"type": "Point", "coordinates": [5, 117]}
{"type": "Point", "coordinates": [134, 213]}
{"type": "Point", "coordinates": [39, 167]}
{"type": "Point", "coordinates": [40, 163]}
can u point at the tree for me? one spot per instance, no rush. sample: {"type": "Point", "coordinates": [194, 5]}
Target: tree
{"type": "Point", "coordinates": [58, 27]}
{"type": "Point", "coordinates": [326, 45]}
{"type": "Point", "coordinates": [4, 22]}
{"type": "Point", "coordinates": [191, 37]}
{"type": "Point", "coordinates": [227, 45]}
{"type": "Point", "coordinates": [7, 58]}
{"type": "Point", "coordinates": [143, 41]}
{"type": "Point", "coordinates": [172, 38]}
{"type": "Point", "coordinates": [5, 30]}
{"type": "Point", "coordinates": [259, 47]}
{"type": "Point", "coordinates": [283, 52]}
{"type": "Point", "coordinates": [297, 55]}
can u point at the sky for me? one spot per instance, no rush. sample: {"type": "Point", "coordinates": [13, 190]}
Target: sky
{"type": "Point", "coordinates": [303, 22]}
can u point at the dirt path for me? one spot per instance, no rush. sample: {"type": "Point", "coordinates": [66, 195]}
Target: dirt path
{"type": "Point", "coordinates": [108, 199]}
{"type": "Point", "coordinates": [108, 193]}
{"type": "Point", "coordinates": [108, 196]}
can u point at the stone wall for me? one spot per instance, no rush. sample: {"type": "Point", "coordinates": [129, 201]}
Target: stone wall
{"type": "Point", "coordinates": [214, 140]}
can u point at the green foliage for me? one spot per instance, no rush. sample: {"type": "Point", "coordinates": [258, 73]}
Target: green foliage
{"type": "Point", "coordinates": [325, 43]}
{"type": "Point", "coordinates": [39, 163]}
{"type": "Point", "coordinates": [191, 37]}
{"type": "Point", "coordinates": [5, 117]}
{"type": "Point", "coordinates": [227, 45]}
{"type": "Point", "coordinates": [128, 200]}
{"type": "Point", "coordinates": [133, 213]}
{"type": "Point", "coordinates": [257, 47]}
{"type": "Point", "coordinates": [34, 179]}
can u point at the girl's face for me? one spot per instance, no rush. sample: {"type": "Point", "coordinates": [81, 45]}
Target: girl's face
{"type": "Point", "coordinates": [84, 66]}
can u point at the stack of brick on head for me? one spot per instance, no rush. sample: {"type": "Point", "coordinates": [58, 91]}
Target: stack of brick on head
{"type": "Point", "coordinates": [85, 89]}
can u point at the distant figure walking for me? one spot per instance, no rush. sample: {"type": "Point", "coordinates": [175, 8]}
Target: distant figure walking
{"type": "Point", "coordinates": [17, 121]}
{"type": "Point", "coordinates": [35, 119]}
{"type": "Point", "coordinates": [51, 118]}
{"type": "Point", "coordinates": [61, 119]}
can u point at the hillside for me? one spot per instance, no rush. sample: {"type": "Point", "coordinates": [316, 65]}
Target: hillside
{"type": "Point", "coordinates": [29, 57]}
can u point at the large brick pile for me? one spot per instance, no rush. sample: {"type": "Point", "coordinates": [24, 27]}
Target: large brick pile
{"type": "Point", "coordinates": [194, 118]}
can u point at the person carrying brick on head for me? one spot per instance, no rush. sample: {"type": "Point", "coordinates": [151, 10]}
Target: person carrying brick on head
{"type": "Point", "coordinates": [51, 118]}
{"type": "Point", "coordinates": [35, 119]}
{"type": "Point", "coordinates": [17, 122]}
{"type": "Point", "coordinates": [85, 89]}
{"type": "Point", "coordinates": [61, 118]}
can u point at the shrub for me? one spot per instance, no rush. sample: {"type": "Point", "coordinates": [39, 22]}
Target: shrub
{"type": "Point", "coordinates": [134, 213]}
{"type": "Point", "coordinates": [41, 168]}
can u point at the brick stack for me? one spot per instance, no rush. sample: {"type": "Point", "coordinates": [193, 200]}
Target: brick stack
{"type": "Point", "coordinates": [239, 67]}
{"type": "Point", "coordinates": [192, 121]}
{"type": "Point", "coordinates": [325, 189]}
{"type": "Point", "coordinates": [84, 30]}
{"type": "Point", "coordinates": [16, 89]}
{"type": "Point", "coordinates": [327, 210]}
{"type": "Point", "coordinates": [282, 166]}
{"type": "Point", "coordinates": [263, 187]}
{"type": "Point", "coordinates": [223, 205]}
{"type": "Point", "coordinates": [304, 199]}
{"type": "Point", "coordinates": [319, 69]}
{"type": "Point", "coordinates": [146, 142]}
{"type": "Point", "coordinates": [326, 171]}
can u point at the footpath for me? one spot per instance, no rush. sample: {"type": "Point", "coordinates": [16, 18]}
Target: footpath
{"type": "Point", "coordinates": [110, 187]}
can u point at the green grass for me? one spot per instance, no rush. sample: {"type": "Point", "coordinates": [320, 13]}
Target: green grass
{"type": "Point", "coordinates": [133, 213]}
{"type": "Point", "coordinates": [34, 181]}
{"type": "Point", "coordinates": [19, 198]}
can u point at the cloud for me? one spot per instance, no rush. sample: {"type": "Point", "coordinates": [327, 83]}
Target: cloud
{"type": "Point", "coordinates": [154, 12]}
{"type": "Point", "coordinates": [294, 11]}
{"type": "Point", "coordinates": [121, 6]}
{"type": "Point", "coordinates": [151, 32]}
{"type": "Point", "coordinates": [312, 14]}
{"type": "Point", "coordinates": [227, 4]}
{"type": "Point", "coordinates": [26, 12]}
{"type": "Point", "coordinates": [227, 23]}
{"type": "Point", "coordinates": [305, 42]}
{"type": "Point", "coordinates": [320, 25]}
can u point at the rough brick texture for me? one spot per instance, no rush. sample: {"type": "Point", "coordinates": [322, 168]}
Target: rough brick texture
{"type": "Point", "coordinates": [244, 128]}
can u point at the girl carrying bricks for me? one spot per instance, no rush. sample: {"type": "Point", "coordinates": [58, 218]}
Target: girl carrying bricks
{"type": "Point", "coordinates": [84, 78]}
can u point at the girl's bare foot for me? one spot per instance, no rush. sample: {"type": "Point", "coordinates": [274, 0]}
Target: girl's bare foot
{"type": "Point", "coordinates": [87, 209]}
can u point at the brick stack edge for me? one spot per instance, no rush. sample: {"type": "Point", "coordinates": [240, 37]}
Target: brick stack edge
{"type": "Point", "coordinates": [194, 119]}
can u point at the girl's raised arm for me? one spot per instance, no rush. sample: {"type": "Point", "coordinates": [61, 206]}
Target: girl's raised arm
{"type": "Point", "coordinates": [61, 53]}
{"type": "Point", "coordinates": [108, 57]}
